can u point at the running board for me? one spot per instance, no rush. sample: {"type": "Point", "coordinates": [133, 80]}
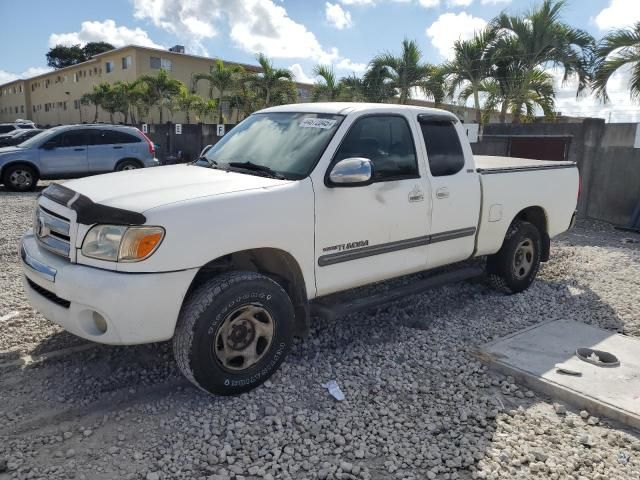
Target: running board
{"type": "Point", "coordinates": [337, 310]}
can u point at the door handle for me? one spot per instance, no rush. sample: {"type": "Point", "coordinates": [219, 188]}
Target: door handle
{"type": "Point", "coordinates": [442, 193]}
{"type": "Point", "coordinates": [78, 149]}
{"type": "Point", "coordinates": [118, 146]}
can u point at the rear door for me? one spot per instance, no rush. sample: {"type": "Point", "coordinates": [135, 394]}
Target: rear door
{"type": "Point", "coordinates": [65, 155]}
{"type": "Point", "coordinates": [108, 147]}
{"type": "Point", "coordinates": [455, 191]}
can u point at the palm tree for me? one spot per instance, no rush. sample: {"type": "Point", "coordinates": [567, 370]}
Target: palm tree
{"type": "Point", "coordinates": [271, 80]}
{"type": "Point", "coordinates": [471, 65]}
{"type": "Point", "coordinates": [528, 90]}
{"type": "Point", "coordinates": [91, 98]}
{"type": "Point", "coordinates": [187, 102]}
{"type": "Point", "coordinates": [161, 88]}
{"type": "Point", "coordinates": [353, 88]}
{"type": "Point", "coordinates": [98, 97]}
{"type": "Point", "coordinates": [327, 86]}
{"type": "Point", "coordinates": [222, 78]}
{"type": "Point", "coordinates": [618, 49]}
{"type": "Point", "coordinates": [406, 72]}
{"type": "Point", "coordinates": [542, 39]}
{"type": "Point", "coordinates": [378, 84]}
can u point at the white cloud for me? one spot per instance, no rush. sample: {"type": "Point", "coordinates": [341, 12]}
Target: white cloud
{"type": "Point", "coordinates": [357, 2]}
{"type": "Point", "coordinates": [494, 2]}
{"type": "Point", "coordinates": [106, 31]}
{"type": "Point", "coordinates": [302, 77]}
{"type": "Point", "coordinates": [459, 3]}
{"type": "Point", "coordinates": [619, 13]}
{"type": "Point", "coordinates": [6, 77]}
{"type": "Point", "coordinates": [347, 64]}
{"type": "Point", "coordinates": [429, 3]}
{"type": "Point", "coordinates": [254, 26]}
{"type": "Point", "coordinates": [450, 27]}
{"type": "Point", "coordinates": [337, 17]}
{"type": "Point", "coordinates": [620, 107]}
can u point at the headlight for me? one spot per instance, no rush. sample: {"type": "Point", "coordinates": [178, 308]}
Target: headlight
{"type": "Point", "coordinates": [117, 243]}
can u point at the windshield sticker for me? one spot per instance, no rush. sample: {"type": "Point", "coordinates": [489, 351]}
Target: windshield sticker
{"type": "Point", "coordinates": [324, 123]}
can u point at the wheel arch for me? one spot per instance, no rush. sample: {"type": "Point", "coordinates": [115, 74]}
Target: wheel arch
{"type": "Point", "coordinates": [274, 263]}
{"type": "Point", "coordinates": [537, 216]}
{"type": "Point", "coordinates": [18, 162]}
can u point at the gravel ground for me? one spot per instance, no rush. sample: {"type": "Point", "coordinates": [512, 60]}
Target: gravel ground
{"type": "Point", "coordinates": [418, 404]}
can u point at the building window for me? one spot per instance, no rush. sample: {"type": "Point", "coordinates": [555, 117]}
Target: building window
{"type": "Point", "coordinates": [75, 77]}
{"type": "Point", "coordinates": [20, 88]}
{"type": "Point", "coordinates": [34, 108]}
{"type": "Point", "coordinates": [46, 83]}
{"type": "Point", "coordinates": [126, 62]}
{"type": "Point", "coordinates": [76, 104]}
{"type": "Point", "coordinates": [166, 64]}
{"type": "Point", "coordinates": [21, 108]}
{"type": "Point", "coordinates": [108, 67]}
{"type": "Point", "coordinates": [154, 63]}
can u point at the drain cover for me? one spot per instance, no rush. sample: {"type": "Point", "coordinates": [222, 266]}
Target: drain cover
{"type": "Point", "coordinates": [598, 357]}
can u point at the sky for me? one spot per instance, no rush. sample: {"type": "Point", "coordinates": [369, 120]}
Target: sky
{"type": "Point", "coordinates": [296, 34]}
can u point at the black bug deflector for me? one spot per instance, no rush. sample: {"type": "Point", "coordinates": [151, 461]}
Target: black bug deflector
{"type": "Point", "coordinates": [88, 212]}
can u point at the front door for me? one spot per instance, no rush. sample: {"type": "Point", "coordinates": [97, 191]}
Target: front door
{"type": "Point", "coordinates": [369, 233]}
{"type": "Point", "coordinates": [455, 192]}
{"type": "Point", "coordinates": [65, 155]}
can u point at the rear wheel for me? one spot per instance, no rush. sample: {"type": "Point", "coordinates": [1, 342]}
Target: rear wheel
{"type": "Point", "coordinates": [233, 332]}
{"type": "Point", "coordinates": [20, 178]}
{"type": "Point", "coordinates": [514, 268]}
{"type": "Point", "coordinates": [128, 165]}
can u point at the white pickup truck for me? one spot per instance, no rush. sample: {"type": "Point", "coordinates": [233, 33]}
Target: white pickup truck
{"type": "Point", "coordinates": [228, 255]}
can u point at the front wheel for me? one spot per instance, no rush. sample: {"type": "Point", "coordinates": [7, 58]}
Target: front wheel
{"type": "Point", "coordinates": [20, 178]}
{"type": "Point", "coordinates": [514, 268]}
{"type": "Point", "coordinates": [233, 332]}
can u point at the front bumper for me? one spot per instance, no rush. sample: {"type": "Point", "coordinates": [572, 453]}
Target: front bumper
{"type": "Point", "coordinates": [102, 305]}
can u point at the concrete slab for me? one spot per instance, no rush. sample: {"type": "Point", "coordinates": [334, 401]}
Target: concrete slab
{"type": "Point", "coordinates": [530, 356]}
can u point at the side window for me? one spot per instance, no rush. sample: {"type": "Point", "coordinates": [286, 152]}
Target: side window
{"type": "Point", "coordinates": [385, 140]}
{"type": "Point", "coordinates": [443, 147]}
{"type": "Point", "coordinates": [74, 138]}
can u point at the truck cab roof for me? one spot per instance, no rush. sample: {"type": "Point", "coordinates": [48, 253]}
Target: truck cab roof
{"type": "Point", "coordinates": [345, 108]}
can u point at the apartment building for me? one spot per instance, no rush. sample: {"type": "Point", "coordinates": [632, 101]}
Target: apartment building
{"type": "Point", "coordinates": [53, 98]}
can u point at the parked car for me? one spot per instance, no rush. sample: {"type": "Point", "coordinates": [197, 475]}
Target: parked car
{"type": "Point", "coordinates": [18, 136]}
{"type": "Point", "coordinates": [22, 124]}
{"type": "Point", "coordinates": [230, 254]}
{"type": "Point", "coordinates": [74, 151]}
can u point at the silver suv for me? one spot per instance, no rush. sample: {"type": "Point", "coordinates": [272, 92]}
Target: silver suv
{"type": "Point", "coordinates": [72, 151]}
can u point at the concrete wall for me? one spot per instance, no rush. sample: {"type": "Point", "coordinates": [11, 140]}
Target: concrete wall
{"type": "Point", "coordinates": [609, 165]}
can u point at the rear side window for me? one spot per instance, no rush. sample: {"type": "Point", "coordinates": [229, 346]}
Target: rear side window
{"type": "Point", "coordinates": [110, 137]}
{"type": "Point", "coordinates": [385, 140]}
{"type": "Point", "coordinates": [6, 128]}
{"type": "Point", "coordinates": [443, 147]}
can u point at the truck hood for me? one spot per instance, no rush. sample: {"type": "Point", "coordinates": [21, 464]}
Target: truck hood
{"type": "Point", "coordinates": [146, 188]}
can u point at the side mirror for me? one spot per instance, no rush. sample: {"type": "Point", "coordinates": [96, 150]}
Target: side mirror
{"type": "Point", "coordinates": [49, 145]}
{"type": "Point", "coordinates": [205, 150]}
{"type": "Point", "coordinates": [351, 172]}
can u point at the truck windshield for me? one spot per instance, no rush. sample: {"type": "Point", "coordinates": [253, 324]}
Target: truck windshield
{"type": "Point", "coordinates": [289, 144]}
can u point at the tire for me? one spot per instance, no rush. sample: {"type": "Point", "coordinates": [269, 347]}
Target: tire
{"type": "Point", "coordinates": [20, 178]}
{"type": "Point", "coordinates": [514, 268]}
{"type": "Point", "coordinates": [128, 165]}
{"type": "Point", "coordinates": [221, 343]}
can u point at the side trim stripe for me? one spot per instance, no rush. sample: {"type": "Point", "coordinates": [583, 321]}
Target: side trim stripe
{"type": "Point", "coordinates": [357, 253]}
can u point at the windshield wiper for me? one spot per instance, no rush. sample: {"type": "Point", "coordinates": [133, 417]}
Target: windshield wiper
{"type": "Point", "coordinates": [257, 168]}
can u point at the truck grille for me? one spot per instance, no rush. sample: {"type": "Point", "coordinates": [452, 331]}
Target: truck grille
{"type": "Point", "coordinates": [52, 231]}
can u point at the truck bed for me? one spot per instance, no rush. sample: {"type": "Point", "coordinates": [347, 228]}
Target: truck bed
{"type": "Point", "coordinates": [486, 164]}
